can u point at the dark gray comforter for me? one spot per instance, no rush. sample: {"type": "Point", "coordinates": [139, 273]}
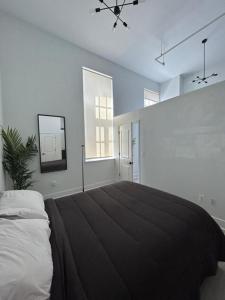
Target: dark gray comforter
{"type": "Point", "coordinates": [128, 241]}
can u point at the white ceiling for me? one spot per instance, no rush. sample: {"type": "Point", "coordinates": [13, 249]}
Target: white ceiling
{"type": "Point", "coordinates": [136, 49]}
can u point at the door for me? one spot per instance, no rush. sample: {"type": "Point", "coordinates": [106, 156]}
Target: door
{"type": "Point", "coordinates": [50, 147]}
{"type": "Point", "coordinates": [136, 151]}
{"type": "Point", "coordinates": [125, 153]}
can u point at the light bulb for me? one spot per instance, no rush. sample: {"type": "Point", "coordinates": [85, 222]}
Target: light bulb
{"type": "Point", "coordinates": [93, 11]}
{"type": "Point", "coordinates": [126, 26]}
{"type": "Point", "coordinates": [114, 26]}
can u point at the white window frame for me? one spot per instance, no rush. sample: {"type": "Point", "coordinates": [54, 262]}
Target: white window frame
{"type": "Point", "coordinates": [152, 100]}
{"type": "Point", "coordinates": [95, 159]}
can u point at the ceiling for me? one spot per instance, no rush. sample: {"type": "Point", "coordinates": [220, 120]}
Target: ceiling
{"type": "Point", "coordinates": [150, 23]}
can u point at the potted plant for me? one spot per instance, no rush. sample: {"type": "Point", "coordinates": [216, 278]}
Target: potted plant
{"type": "Point", "coordinates": [16, 157]}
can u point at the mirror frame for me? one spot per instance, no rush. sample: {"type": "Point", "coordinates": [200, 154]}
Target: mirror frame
{"type": "Point", "coordinates": [45, 115]}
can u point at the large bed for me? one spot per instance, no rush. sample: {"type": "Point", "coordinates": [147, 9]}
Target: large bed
{"type": "Point", "coordinates": [128, 241]}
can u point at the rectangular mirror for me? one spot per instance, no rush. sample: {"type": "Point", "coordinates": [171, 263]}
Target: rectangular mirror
{"type": "Point", "coordinates": [52, 143]}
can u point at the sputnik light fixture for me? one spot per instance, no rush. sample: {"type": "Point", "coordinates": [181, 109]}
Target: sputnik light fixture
{"type": "Point", "coordinates": [204, 78]}
{"type": "Point", "coordinates": [116, 10]}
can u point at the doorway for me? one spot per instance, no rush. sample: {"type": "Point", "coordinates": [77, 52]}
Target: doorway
{"type": "Point", "coordinates": [129, 152]}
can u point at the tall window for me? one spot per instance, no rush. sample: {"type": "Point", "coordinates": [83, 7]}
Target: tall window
{"type": "Point", "coordinates": [150, 97]}
{"type": "Point", "coordinates": [98, 114]}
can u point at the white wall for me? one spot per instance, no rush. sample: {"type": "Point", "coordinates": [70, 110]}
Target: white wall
{"type": "Point", "coordinates": [129, 92]}
{"type": "Point", "coordinates": [2, 183]}
{"type": "Point", "coordinates": [183, 84]}
{"type": "Point", "coordinates": [42, 74]}
{"type": "Point", "coordinates": [171, 88]}
{"type": "Point", "coordinates": [183, 146]}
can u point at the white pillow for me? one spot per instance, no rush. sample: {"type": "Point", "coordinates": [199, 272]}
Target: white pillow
{"type": "Point", "coordinates": [22, 203]}
{"type": "Point", "coordinates": [22, 213]}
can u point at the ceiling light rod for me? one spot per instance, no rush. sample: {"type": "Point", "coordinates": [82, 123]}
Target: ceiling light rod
{"type": "Point", "coordinates": [187, 38]}
{"type": "Point", "coordinates": [117, 17]}
{"type": "Point", "coordinates": [116, 10]}
{"type": "Point", "coordinates": [204, 78]}
{"type": "Point", "coordinates": [98, 9]}
{"type": "Point", "coordinates": [204, 42]}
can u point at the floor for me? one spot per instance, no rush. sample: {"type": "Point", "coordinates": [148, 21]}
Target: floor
{"type": "Point", "coordinates": [213, 287]}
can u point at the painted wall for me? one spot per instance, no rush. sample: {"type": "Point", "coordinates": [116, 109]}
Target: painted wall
{"type": "Point", "coordinates": [183, 84]}
{"type": "Point", "coordinates": [2, 183]}
{"type": "Point", "coordinates": [43, 74]}
{"type": "Point", "coordinates": [171, 88]}
{"type": "Point", "coordinates": [183, 146]}
{"type": "Point", "coordinates": [129, 92]}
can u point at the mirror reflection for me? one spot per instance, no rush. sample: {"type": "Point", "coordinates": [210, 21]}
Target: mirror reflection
{"type": "Point", "coordinates": [52, 141]}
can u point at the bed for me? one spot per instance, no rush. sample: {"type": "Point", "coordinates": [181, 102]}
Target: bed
{"type": "Point", "coordinates": [128, 241]}
{"type": "Point", "coordinates": [25, 252]}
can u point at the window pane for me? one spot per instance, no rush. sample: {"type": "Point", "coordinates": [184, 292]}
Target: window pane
{"type": "Point", "coordinates": [151, 95]}
{"type": "Point", "coordinates": [149, 102]}
{"type": "Point", "coordinates": [102, 113]}
{"type": "Point", "coordinates": [103, 101]}
{"type": "Point", "coordinates": [97, 101]}
{"type": "Point", "coordinates": [109, 102]}
{"type": "Point", "coordinates": [98, 150]}
{"type": "Point", "coordinates": [97, 113]}
{"type": "Point", "coordinates": [102, 134]}
{"type": "Point", "coordinates": [103, 150]}
{"type": "Point", "coordinates": [97, 116]}
{"type": "Point", "coordinates": [109, 114]}
{"type": "Point", "coordinates": [110, 134]}
{"type": "Point", "coordinates": [110, 151]}
{"type": "Point", "coordinates": [97, 134]}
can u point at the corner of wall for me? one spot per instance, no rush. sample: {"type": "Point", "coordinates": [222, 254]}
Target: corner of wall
{"type": "Point", "coordinates": [171, 88]}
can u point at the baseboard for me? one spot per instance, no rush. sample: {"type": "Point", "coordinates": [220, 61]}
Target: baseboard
{"type": "Point", "coordinates": [221, 222]}
{"type": "Point", "coordinates": [76, 190]}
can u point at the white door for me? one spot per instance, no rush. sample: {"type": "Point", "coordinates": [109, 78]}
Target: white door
{"type": "Point", "coordinates": [136, 151]}
{"type": "Point", "coordinates": [125, 155]}
{"type": "Point", "coordinates": [50, 147]}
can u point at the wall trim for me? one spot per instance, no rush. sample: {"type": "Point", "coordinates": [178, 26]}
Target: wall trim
{"type": "Point", "coordinates": [221, 222]}
{"type": "Point", "coordinates": [78, 189]}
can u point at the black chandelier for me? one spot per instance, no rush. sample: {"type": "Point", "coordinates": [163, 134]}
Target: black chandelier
{"type": "Point", "coordinates": [116, 10]}
{"type": "Point", "coordinates": [204, 78]}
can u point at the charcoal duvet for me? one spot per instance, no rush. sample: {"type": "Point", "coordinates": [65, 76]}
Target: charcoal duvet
{"type": "Point", "coordinates": [128, 241]}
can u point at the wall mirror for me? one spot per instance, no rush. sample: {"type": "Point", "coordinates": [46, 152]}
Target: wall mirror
{"type": "Point", "coordinates": [52, 143]}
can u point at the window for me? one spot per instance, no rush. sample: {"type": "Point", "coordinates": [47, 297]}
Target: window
{"type": "Point", "coordinates": [150, 97]}
{"type": "Point", "coordinates": [98, 114]}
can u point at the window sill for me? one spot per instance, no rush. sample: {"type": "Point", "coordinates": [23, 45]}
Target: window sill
{"type": "Point", "coordinates": [99, 159]}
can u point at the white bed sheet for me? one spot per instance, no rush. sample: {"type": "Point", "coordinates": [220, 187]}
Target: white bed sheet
{"type": "Point", "coordinates": [25, 259]}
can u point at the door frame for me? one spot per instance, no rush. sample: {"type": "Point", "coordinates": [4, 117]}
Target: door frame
{"type": "Point", "coordinates": [131, 148]}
